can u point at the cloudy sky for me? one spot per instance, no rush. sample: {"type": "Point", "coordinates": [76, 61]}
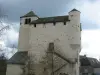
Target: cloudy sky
{"type": "Point", "coordinates": [90, 18]}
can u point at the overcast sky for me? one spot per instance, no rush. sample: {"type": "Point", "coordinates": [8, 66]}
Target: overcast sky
{"type": "Point", "coordinates": [90, 18]}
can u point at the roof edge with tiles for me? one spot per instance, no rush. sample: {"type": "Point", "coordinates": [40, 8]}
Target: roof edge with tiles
{"type": "Point", "coordinates": [51, 19]}
{"type": "Point", "coordinates": [29, 14]}
{"type": "Point", "coordinates": [18, 58]}
{"type": "Point", "coordinates": [74, 10]}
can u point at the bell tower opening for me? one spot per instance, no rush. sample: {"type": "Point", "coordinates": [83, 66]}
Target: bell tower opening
{"type": "Point", "coordinates": [28, 20]}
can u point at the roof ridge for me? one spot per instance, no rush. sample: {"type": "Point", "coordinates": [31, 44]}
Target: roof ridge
{"type": "Point", "coordinates": [54, 16]}
{"type": "Point", "coordinates": [30, 14]}
{"type": "Point", "coordinates": [74, 10]}
{"type": "Point", "coordinates": [51, 19]}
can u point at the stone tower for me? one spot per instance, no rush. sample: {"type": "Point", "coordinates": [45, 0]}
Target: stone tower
{"type": "Point", "coordinates": [23, 44]}
{"type": "Point", "coordinates": [65, 31]}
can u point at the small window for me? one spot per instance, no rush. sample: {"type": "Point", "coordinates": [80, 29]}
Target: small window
{"type": "Point", "coordinates": [64, 23]}
{"type": "Point", "coordinates": [34, 25]}
{"type": "Point", "coordinates": [27, 21]}
{"type": "Point", "coordinates": [80, 27]}
{"type": "Point", "coordinates": [54, 23]}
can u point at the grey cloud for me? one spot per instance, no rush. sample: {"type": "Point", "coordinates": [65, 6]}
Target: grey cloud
{"type": "Point", "coordinates": [16, 8]}
{"type": "Point", "coordinates": [13, 44]}
{"type": "Point", "coordinates": [92, 1]}
{"type": "Point", "coordinates": [87, 25]}
{"type": "Point", "coordinates": [11, 38]}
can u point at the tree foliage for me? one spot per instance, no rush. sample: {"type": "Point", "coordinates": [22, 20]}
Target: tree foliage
{"type": "Point", "coordinates": [3, 25]}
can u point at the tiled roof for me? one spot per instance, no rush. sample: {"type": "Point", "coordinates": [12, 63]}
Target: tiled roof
{"type": "Point", "coordinates": [87, 61]}
{"type": "Point", "coordinates": [30, 14]}
{"type": "Point", "coordinates": [94, 62]}
{"type": "Point", "coordinates": [74, 10]}
{"type": "Point", "coordinates": [47, 19]}
{"type": "Point", "coordinates": [51, 19]}
{"type": "Point", "coordinates": [18, 58]}
{"type": "Point", "coordinates": [84, 61]}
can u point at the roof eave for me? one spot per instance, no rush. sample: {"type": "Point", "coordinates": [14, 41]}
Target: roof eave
{"type": "Point", "coordinates": [48, 22]}
{"type": "Point", "coordinates": [28, 16]}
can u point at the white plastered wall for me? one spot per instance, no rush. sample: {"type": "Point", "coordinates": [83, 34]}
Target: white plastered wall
{"type": "Point", "coordinates": [36, 39]}
{"type": "Point", "coordinates": [13, 69]}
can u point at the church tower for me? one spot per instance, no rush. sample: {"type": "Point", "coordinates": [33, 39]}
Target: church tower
{"type": "Point", "coordinates": [75, 31]}
{"type": "Point", "coordinates": [23, 43]}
